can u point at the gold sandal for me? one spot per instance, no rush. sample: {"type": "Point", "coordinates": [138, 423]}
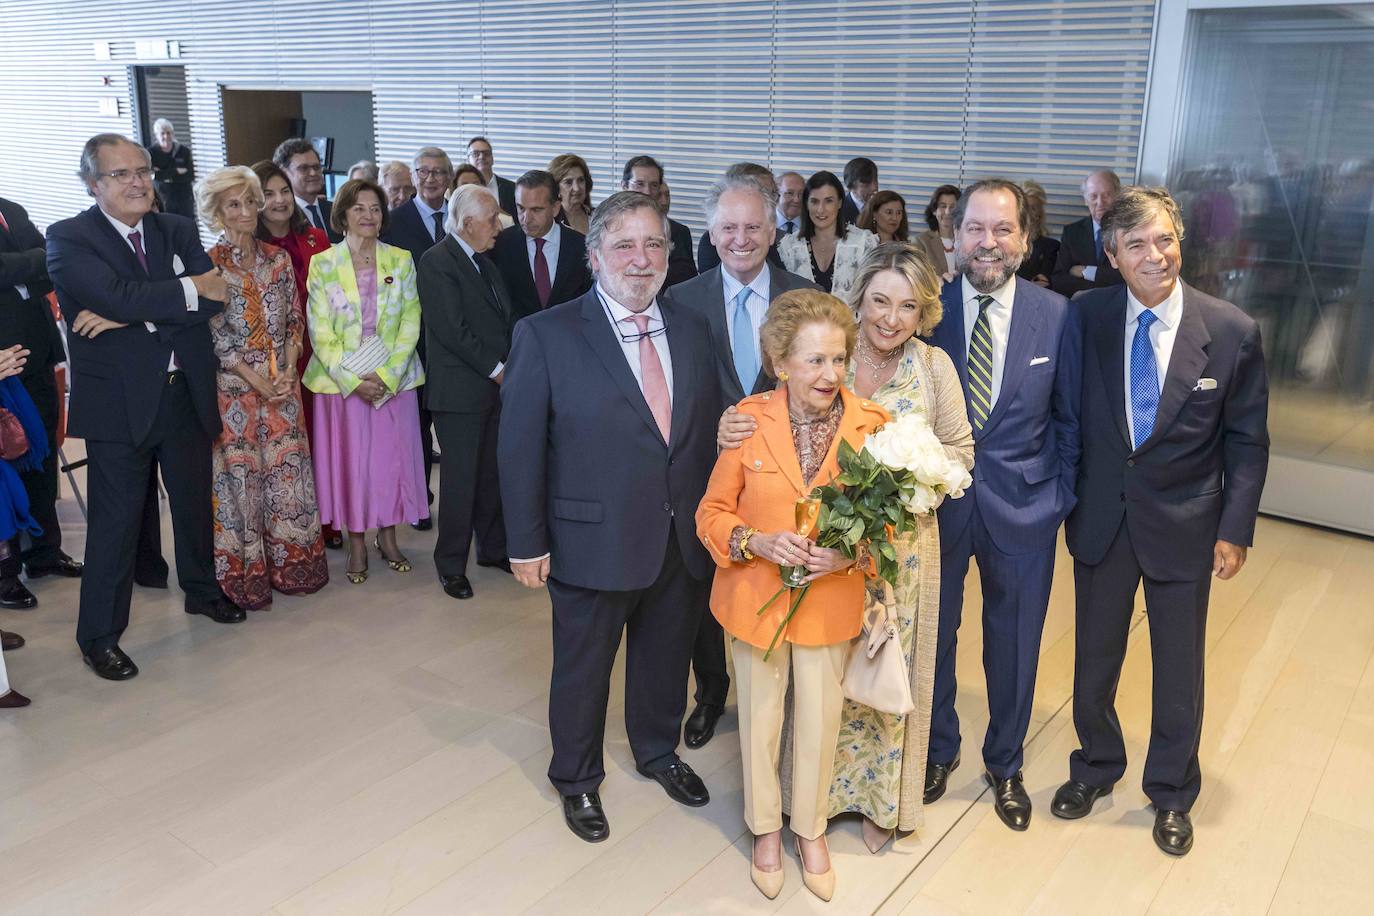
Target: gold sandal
{"type": "Point", "coordinates": [401, 566]}
{"type": "Point", "coordinates": [357, 578]}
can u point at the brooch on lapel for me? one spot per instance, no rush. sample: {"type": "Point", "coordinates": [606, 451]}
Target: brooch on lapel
{"type": "Point", "coordinates": [389, 280]}
{"type": "Point", "coordinates": [310, 240]}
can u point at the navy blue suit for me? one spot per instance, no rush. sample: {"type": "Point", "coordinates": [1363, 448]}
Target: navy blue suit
{"type": "Point", "coordinates": [1025, 461]}
{"type": "Point", "coordinates": [1155, 513]}
{"type": "Point", "coordinates": [131, 410]}
{"type": "Point", "coordinates": [587, 477]}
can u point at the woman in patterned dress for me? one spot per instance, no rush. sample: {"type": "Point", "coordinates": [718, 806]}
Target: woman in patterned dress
{"type": "Point", "coordinates": [267, 524]}
{"type": "Point", "coordinates": [880, 759]}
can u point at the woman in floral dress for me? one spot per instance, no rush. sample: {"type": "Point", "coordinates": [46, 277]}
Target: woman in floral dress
{"type": "Point", "coordinates": [267, 524]}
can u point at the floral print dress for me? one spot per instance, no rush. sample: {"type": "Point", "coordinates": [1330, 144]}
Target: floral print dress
{"type": "Point", "coordinates": [267, 523]}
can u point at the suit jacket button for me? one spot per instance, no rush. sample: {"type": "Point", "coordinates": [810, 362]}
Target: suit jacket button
{"type": "Point", "coordinates": [767, 395]}
{"type": "Point", "coordinates": [1130, 462]}
{"type": "Point", "coordinates": [758, 464]}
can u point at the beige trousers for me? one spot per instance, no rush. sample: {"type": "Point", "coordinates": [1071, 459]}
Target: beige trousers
{"type": "Point", "coordinates": [817, 702]}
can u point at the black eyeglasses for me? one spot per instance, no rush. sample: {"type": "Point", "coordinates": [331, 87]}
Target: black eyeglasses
{"type": "Point", "coordinates": [633, 336]}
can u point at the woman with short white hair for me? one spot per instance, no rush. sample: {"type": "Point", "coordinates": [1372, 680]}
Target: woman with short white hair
{"type": "Point", "coordinates": [267, 521]}
{"type": "Point", "coordinates": [173, 172]}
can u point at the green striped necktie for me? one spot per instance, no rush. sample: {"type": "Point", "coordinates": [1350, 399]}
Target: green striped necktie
{"type": "Point", "coordinates": [980, 366]}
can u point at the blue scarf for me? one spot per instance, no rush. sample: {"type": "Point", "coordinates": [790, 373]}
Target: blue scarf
{"type": "Point", "coordinates": [16, 400]}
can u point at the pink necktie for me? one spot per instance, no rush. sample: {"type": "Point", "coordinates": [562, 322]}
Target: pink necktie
{"type": "Point", "coordinates": [654, 383]}
{"type": "Point", "coordinates": [542, 285]}
{"type": "Point", "coordinates": [136, 239]}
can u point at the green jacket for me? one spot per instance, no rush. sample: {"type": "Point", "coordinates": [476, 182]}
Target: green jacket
{"type": "Point", "coordinates": [334, 317]}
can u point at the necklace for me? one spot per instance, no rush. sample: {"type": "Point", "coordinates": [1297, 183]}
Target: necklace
{"type": "Point", "coordinates": [876, 365]}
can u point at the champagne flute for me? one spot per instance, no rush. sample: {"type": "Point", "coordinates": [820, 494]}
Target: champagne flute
{"type": "Point", "coordinates": [806, 512]}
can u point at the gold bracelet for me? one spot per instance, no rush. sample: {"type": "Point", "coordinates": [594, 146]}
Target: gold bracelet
{"type": "Point", "coordinates": [744, 542]}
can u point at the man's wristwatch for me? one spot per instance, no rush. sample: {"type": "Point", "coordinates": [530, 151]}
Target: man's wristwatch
{"type": "Point", "coordinates": [744, 543]}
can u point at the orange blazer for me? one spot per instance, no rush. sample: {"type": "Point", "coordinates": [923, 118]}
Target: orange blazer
{"type": "Point", "coordinates": [756, 485]}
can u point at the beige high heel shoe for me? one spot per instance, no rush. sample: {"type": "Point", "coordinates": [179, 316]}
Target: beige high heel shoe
{"type": "Point", "coordinates": [875, 837]}
{"type": "Point", "coordinates": [823, 884]}
{"type": "Point", "coordinates": [769, 883]}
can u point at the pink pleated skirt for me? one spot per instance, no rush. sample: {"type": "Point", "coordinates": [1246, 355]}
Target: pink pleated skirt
{"type": "Point", "coordinates": [369, 471]}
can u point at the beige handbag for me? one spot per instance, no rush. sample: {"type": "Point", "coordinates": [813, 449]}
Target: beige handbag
{"type": "Point", "coordinates": [876, 674]}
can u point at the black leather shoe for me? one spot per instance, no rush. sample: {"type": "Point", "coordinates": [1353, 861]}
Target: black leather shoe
{"type": "Point", "coordinates": [456, 586]}
{"type": "Point", "coordinates": [503, 565]}
{"type": "Point", "coordinates": [65, 566]}
{"type": "Point", "coordinates": [586, 817]}
{"type": "Point", "coordinates": [1011, 801]}
{"type": "Point", "coordinates": [10, 641]}
{"type": "Point", "coordinates": [221, 610]}
{"type": "Point", "coordinates": [1075, 799]}
{"type": "Point", "coordinates": [701, 724]}
{"type": "Point", "coordinates": [423, 524]}
{"type": "Point", "coordinates": [937, 779]}
{"type": "Point", "coordinates": [1173, 832]}
{"type": "Point", "coordinates": [111, 664]}
{"type": "Point", "coordinates": [681, 783]}
{"type": "Point", "coordinates": [334, 541]}
{"type": "Point", "coordinates": [14, 596]}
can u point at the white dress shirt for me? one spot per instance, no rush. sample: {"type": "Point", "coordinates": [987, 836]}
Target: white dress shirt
{"type": "Point", "coordinates": [1162, 335]}
{"type": "Point", "coordinates": [552, 240]}
{"type": "Point", "coordinates": [757, 304]}
{"type": "Point", "coordinates": [999, 325]}
{"type": "Point", "coordinates": [1090, 270]}
{"type": "Point", "coordinates": [623, 329]}
{"type": "Point", "coordinates": [427, 216]}
{"type": "Point", "coordinates": [305, 208]}
{"type": "Point", "coordinates": [472, 256]}
{"type": "Point", "coordinates": [188, 288]}
{"type": "Point", "coordinates": [783, 221]}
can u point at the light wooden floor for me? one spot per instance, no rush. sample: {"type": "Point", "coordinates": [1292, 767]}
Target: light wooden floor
{"type": "Point", "coordinates": [382, 749]}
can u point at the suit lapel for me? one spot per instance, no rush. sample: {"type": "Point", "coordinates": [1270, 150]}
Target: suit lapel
{"type": "Point", "coordinates": [1186, 364]}
{"type": "Point", "coordinates": [949, 333]}
{"type": "Point", "coordinates": [605, 344]}
{"type": "Point", "coordinates": [720, 334]}
{"type": "Point", "coordinates": [679, 349]}
{"type": "Point", "coordinates": [155, 249]}
{"type": "Point", "coordinates": [777, 436]}
{"type": "Point", "coordinates": [470, 272]}
{"type": "Point", "coordinates": [1109, 338]}
{"type": "Point", "coordinates": [1026, 318]}
{"type": "Point", "coordinates": [119, 242]}
{"type": "Point", "coordinates": [566, 266]}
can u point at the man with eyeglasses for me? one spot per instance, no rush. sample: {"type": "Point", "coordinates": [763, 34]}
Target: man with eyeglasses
{"type": "Point", "coordinates": [481, 158]}
{"type": "Point", "coordinates": [417, 225]}
{"type": "Point", "coordinates": [138, 291]}
{"type": "Point", "coordinates": [298, 159]}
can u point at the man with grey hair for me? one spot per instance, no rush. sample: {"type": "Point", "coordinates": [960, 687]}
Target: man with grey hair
{"type": "Point", "coordinates": [416, 226]}
{"type": "Point", "coordinates": [607, 440]}
{"type": "Point", "coordinates": [1175, 452]}
{"type": "Point", "coordinates": [791, 187]}
{"type": "Point", "coordinates": [138, 291]}
{"type": "Point", "coordinates": [1082, 262]}
{"type": "Point", "coordinates": [732, 298]}
{"type": "Point", "coordinates": [364, 168]}
{"type": "Point", "coordinates": [707, 256]}
{"type": "Point", "coordinates": [396, 182]}
{"type": "Point", "coordinates": [173, 172]}
{"type": "Point", "coordinates": [467, 321]}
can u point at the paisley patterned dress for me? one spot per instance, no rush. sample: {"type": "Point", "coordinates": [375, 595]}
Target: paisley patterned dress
{"type": "Point", "coordinates": [267, 523]}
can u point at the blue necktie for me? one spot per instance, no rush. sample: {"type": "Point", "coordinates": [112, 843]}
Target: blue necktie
{"type": "Point", "coordinates": [1144, 380]}
{"type": "Point", "coordinates": [1097, 243]}
{"type": "Point", "coordinates": [746, 362]}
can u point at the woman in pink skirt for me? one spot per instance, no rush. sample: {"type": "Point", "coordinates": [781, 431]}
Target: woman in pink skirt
{"type": "Point", "coordinates": [364, 321]}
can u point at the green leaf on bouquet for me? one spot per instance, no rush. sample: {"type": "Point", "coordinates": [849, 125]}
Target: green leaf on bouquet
{"type": "Point", "coordinates": [886, 549]}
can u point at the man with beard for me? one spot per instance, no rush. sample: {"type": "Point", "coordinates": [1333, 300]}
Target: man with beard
{"type": "Point", "coordinates": [1018, 351]}
{"type": "Point", "coordinates": [608, 427]}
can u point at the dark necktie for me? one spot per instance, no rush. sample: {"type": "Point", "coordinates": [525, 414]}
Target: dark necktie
{"type": "Point", "coordinates": [314, 211]}
{"type": "Point", "coordinates": [136, 239]}
{"type": "Point", "coordinates": [1097, 243]}
{"type": "Point", "coordinates": [542, 285]}
{"type": "Point", "coordinates": [980, 366]}
{"type": "Point", "coordinates": [788, 227]}
{"type": "Point", "coordinates": [438, 225]}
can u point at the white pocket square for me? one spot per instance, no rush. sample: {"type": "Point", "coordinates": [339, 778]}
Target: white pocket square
{"type": "Point", "coordinates": [178, 268]}
{"type": "Point", "coordinates": [1205, 384]}
{"type": "Point", "coordinates": [1039, 359]}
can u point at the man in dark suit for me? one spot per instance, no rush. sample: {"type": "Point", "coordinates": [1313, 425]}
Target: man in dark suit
{"type": "Point", "coordinates": [1175, 451]}
{"type": "Point", "coordinates": [542, 262]}
{"type": "Point", "coordinates": [138, 291]}
{"type": "Point", "coordinates": [1082, 262]}
{"type": "Point", "coordinates": [1017, 349]}
{"type": "Point", "coordinates": [298, 159]}
{"type": "Point", "coordinates": [861, 183]}
{"type": "Point", "coordinates": [645, 175]}
{"type": "Point", "coordinates": [607, 440]}
{"type": "Point", "coordinates": [416, 226]}
{"type": "Point", "coordinates": [732, 298]}
{"type": "Point", "coordinates": [467, 314]}
{"type": "Point", "coordinates": [791, 187]}
{"type": "Point", "coordinates": [481, 158]}
{"type": "Point", "coordinates": [707, 257]}
{"type": "Point", "coordinates": [26, 319]}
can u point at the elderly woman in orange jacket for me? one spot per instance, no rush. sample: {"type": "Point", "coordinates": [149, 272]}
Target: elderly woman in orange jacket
{"type": "Point", "coordinates": [746, 522]}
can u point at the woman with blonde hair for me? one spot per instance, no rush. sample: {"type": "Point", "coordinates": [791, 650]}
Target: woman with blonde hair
{"type": "Point", "coordinates": [267, 523]}
{"type": "Point", "coordinates": [746, 520]}
{"type": "Point", "coordinates": [880, 758]}
{"type": "Point", "coordinates": [574, 190]}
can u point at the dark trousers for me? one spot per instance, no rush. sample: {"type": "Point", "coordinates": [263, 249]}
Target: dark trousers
{"type": "Point", "coordinates": [469, 491]}
{"type": "Point", "coordinates": [148, 561]}
{"type": "Point", "coordinates": [587, 626]}
{"type": "Point", "coordinates": [41, 484]}
{"type": "Point", "coordinates": [426, 439]}
{"type": "Point", "coordinates": [1177, 614]}
{"type": "Point", "coordinates": [1016, 595]}
{"type": "Point", "coordinates": [117, 483]}
{"type": "Point", "coordinates": [708, 659]}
